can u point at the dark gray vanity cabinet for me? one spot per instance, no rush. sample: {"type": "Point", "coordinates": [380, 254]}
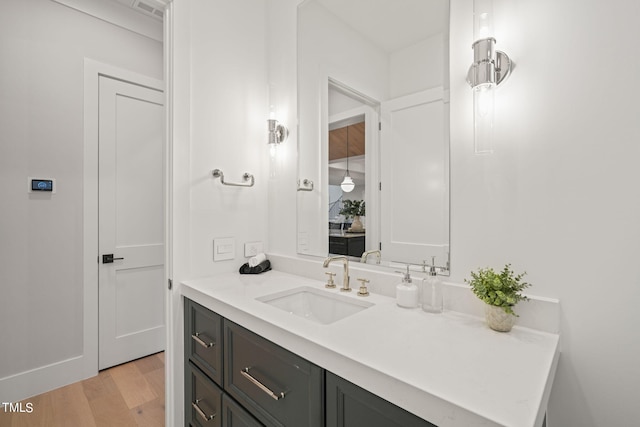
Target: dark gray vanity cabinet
{"type": "Point", "coordinates": [203, 339]}
{"type": "Point", "coordinates": [277, 386]}
{"type": "Point", "coordinates": [203, 366]}
{"type": "Point", "coordinates": [203, 401]}
{"type": "Point", "coordinates": [236, 378]}
{"type": "Point", "coordinates": [348, 405]}
{"type": "Point", "coordinates": [350, 244]}
{"type": "Point", "coordinates": [234, 415]}
{"type": "Point", "coordinates": [206, 403]}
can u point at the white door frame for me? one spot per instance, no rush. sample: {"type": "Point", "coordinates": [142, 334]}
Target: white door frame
{"type": "Point", "coordinates": [92, 71]}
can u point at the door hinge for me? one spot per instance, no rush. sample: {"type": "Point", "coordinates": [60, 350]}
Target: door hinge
{"type": "Point", "coordinates": [380, 245]}
{"type": "Point", "coordinates": [380, 186]}
{"type": "Point", "coordinates": [170, 284]}
{"type": "Point", "coordinates": [379, 125]}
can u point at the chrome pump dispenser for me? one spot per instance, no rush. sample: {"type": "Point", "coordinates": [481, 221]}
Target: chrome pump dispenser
{"type": "Point", "coordinates": [407, 294]}
{"type": "Point", "coordinates": [432, 300]}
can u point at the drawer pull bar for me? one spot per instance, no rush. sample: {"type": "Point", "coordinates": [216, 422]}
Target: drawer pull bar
{"type": "Point", "coordinates": [245, 373]}
{"type": "Point", "coordinates": [200, 412]}
{"type": "Point", "coordinates": [197, 339]}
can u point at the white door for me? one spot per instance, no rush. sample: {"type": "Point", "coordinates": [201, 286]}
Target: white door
{"type": "Point", "coordinates": [131, 222]}
{"type": "Point", "coordinates": [414, 155]}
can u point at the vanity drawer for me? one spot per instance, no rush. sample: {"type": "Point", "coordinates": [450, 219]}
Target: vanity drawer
{"type": "Point", "coordinates": [203, 399]}
{"type": "Point", "coordinates": [278, 387]}
{"type": "Point", "coordinates": [235, 415]}
{"type": "Point", "coordinates": [203, 339]}
{"type": "Point", "coordinates": [351, 406]}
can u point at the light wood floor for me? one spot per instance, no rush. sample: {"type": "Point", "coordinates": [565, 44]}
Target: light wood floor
{"type": "Point", "coordinates": [131, 394]}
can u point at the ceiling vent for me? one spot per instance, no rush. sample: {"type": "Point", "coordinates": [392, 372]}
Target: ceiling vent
{"type": "Point", "coordinates": [150, 8]}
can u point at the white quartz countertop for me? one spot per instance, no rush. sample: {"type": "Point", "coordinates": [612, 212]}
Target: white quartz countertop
{"type": "Point", "coordinates": [449, 368]}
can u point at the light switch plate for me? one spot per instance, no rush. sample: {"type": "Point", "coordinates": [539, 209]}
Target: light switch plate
{"type": "Point", "coordinates": [252, 249]}
{"type": "Point", "coordinates": [224, 249]}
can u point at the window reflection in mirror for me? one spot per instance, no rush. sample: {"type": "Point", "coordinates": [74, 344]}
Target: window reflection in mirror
{"type": "Point", "coordinates": [374, 66]}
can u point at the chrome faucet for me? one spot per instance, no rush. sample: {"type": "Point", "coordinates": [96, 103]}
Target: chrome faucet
{"type": "Point", "coordinates": [363, 259]}
{"type": "Point", "coordinates": [345, 264]}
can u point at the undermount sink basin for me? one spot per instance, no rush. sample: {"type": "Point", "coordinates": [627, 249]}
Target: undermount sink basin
{"type": "Point", "coordinates": [314, 304]}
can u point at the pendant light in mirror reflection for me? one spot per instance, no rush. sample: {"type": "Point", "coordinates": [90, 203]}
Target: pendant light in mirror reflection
{"type": "Point", "coordinates": [490, 68]}
{"type": "Point", "coordinates": [347, 183]}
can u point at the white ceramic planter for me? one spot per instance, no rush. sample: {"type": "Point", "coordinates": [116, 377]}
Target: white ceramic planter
{"type": "Point", "coordinates": [498, 319]}
{"type": "Point", "coordinates": [356, 225]}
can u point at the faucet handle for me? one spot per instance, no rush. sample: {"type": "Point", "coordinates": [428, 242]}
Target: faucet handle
{"type": "Point", "coordinates": [330, 284]}
{"type": "Point", "coordinates": [363, 292]}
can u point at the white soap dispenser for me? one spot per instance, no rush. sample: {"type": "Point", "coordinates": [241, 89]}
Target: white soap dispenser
{"type": "Point", "coordinates": [432, 301]}
{"type": "Point", "coordinates": [406, 292]}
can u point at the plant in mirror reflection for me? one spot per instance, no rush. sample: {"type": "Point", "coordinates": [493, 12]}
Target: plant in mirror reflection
{"type": "Point", "coordinates": [352, 208]}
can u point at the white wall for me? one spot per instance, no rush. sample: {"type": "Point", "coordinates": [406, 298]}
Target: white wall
{"type": "Point", "coordinates": [42, 49]}
{"type": "Point", "coordinates": [228, 103]}
{"type": "Point", "coordinates": [417, 67]}
{"type": "Point", "coordinates": [282, 73]}
{"type": "Point", "coordinates": [219, 121]}
{"type": "Point", "coordinates": [559, 198]}
{"type": "Point", "coordinates": [220, 114]}
{"type": "Point", "coordinates": [219, 88]}
{"type": "Point", "coordinates": [338, 103]}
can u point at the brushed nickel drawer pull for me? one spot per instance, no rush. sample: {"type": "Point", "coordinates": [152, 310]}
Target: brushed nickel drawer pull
{"type": "Point", "coordinates": [245, 373]}
{"type": "Point", "coordinates": [197, 339]}
{"type": "Point", "coordinates": [200, 412]}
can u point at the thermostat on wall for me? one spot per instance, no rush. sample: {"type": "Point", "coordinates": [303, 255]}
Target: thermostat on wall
{"type": "Point", "coordinates": [42, 185]}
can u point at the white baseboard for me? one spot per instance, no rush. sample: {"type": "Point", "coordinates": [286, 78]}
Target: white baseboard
{"type": "Point", "coordinates": [24, 385]}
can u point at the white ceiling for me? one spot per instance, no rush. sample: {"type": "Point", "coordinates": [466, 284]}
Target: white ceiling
{"type": "Point", "coordinates": [393, 24]}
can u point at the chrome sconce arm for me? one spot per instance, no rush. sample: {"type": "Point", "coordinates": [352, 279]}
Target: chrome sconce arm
{"type": "Point", "coordinates": [490, 66]}
{"type": "Point", "coordinates": [278, 132]}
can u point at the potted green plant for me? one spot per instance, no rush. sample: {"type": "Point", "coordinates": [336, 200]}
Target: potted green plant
{"type": "Point", "coordinates": [501, 291]}
{"type": "Point", "coordinates": [353, 209]}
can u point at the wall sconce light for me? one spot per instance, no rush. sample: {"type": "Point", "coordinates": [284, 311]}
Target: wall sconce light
{"type": "Point", "coordinates": [490, 68]}
{"type": "Point", "coordinates": [278, 132]}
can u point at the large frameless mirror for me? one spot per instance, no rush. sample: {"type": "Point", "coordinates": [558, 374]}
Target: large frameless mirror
{"type": "Point", "coordinates": [373, 111]}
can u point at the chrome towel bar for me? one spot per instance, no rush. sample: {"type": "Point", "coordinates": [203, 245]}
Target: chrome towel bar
{"type": "Point", "coordinates": [307, 185]}
{"type": "Point", "coordinates": [217, 173]}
